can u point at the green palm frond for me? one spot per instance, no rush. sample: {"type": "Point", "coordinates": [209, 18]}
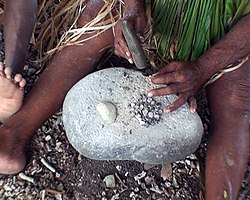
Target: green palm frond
{"type": "Point", "coordinates": [243, 8]}
{"type": "Point", "coordinates": [184, 29]}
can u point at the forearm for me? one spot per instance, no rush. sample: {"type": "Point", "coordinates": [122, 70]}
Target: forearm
{"type": "Point", "coordinates": [233, 47]}
{"type": "Point", "coordinates": [19, 21]}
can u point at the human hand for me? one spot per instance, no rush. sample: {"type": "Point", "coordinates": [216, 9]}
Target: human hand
{"type": "Point", "coordinates": [135, 14]}
{"type": "Point", "coordinates": [181, 78]}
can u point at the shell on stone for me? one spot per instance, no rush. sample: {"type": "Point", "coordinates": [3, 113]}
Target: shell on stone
{"type": "Point", "coordinates": [107, 111]}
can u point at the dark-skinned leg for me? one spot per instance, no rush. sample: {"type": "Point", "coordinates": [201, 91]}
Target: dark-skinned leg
{"type": "Point", "coordinates": [228, 146]}
{"type": "Point", "coordinates": [46, 97]}
{"type": "Point", "coordinates": [19, 21]}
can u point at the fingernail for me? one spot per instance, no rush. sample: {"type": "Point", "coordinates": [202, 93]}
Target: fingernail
{"type": "Point", "coordinates": [151, 77]}
{"type": "Point", "coordinates": [128, 54]}
{"type": "Point", "coordinates": [192, 110]}
{"type": "Point", "coordinates": [167, 110]}
{"type": "Point", "coordinates": [130, 61]}
{"type": "Point", "coordinates": [150, 94]}
{"type": "Point", "coordinates": [142, 39]}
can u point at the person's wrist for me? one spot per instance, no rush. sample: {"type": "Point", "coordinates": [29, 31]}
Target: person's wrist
{"type": "Point", "coordinates": [201, 69]}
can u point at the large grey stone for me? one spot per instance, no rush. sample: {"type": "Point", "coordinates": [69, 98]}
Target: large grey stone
{"type": "Point", "coordinates": [176, 136]}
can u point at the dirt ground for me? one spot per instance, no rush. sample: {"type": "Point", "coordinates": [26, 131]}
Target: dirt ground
{"type": "Point", "coordinates": [56, 171]}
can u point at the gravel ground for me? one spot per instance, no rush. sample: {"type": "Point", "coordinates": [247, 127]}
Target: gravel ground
{"type": "Point", "coordinates": [56, 171]}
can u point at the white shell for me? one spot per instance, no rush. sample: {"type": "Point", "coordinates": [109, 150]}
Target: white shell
{"type": "Point", "coordinates": [107, 111]}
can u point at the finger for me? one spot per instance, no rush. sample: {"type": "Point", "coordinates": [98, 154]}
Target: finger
{"type": "Point", "coordinates": [120, 44]}
{"type": "Point", "coordinates": [182, 99]}
{"type": "Point", "coordinates": [171, 67]}
{"type": "Point", "coordinates": [141, 38]}
{"type": "Point", "coordinates": [118, 30]}
{"type": "Point", "coordinates": [140, 33]}
{"type": "Point", "coordinates": [124, 46]}
{"type": "Point", "coordinates": [192, 104]}
{"type": "Point", "coordinates": [170, 89]}
{"type": "Point", "coordinates": [140, 26]}
{"type": "Point", "coordinates": [119, 39]}
{"type": "Point", "coordinates": [166, 78]}
{"type": "Point", "coordinates": [118, 51]}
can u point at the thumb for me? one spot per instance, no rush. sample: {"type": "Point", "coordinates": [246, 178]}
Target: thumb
{"type": "Point", "coordinates": [141, 38]}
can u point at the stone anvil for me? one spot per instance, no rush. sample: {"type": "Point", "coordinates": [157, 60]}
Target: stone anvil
{"type": "Point", "coordinates": [177, 135]}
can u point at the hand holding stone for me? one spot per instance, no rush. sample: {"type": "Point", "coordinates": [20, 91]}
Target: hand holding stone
{"type": "Point", "coordinates": [135, 14]}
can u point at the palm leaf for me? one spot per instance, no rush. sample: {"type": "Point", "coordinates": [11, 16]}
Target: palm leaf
{"type": "Point", "coordinates": [191, 27]}
{"type": "Point", "coordinates": [186, 41]}
{"type": "Point", "coordinates": [243, 7]}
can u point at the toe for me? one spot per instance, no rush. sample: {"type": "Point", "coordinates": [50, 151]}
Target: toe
{"type": "Point", "coordinates": [18, 78]}
{"type": "Point", "coordinates": [1, 67]}
{"type": "Point", "coordinates": [22, 83]}
{"type": "Point", "coordinates": [7, 72]}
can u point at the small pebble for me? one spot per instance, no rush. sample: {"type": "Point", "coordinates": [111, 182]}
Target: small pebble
{"type": "Point", "coordinates": [47, 138]}
{"type": "Point", "coordinates": [109, 181]}
{"type": "Point", "coordinates": [140, 176]}
{"type": "Point", "coordinates": [119, 168]}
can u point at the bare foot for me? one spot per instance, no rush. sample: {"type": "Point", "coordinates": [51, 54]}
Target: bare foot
{"type": "Point", "coordinates": [11, 93]}
{"type": "Point", "coordinates": [12, 154]}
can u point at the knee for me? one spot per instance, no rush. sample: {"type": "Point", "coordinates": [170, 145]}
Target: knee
{"type": "Point", "coordinates": [229, 99]}
{"type": "Point", "coordinates": [90, 12]}
{"type": "Point", "coordinates": [230, 94]}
